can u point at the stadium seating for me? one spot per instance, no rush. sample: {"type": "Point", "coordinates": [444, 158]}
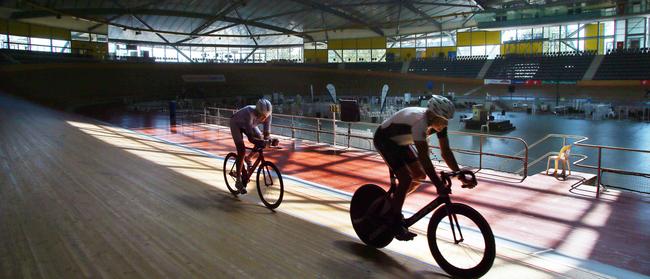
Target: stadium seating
{"type": "Point", "coordinates": [625, 64]}
{"type": "Point", "coordinates": [467, 67]}
{"type": "Point", "coordinates": [376, 66]}
{"type": "Point", "coordinates": [34, 57]}
{"type": "Point", "coordinates": [552, 66]}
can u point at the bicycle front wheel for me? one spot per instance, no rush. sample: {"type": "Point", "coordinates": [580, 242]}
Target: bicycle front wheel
{"type": "Point", "coordinates": [269, 185]}
{"type": "Point", "coordinates": [464, 248]}
{"type": "Point", "coordinates": [230, 173]}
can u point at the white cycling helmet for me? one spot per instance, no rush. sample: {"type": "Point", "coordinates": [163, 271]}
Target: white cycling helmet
{"type": "Point", "coordinates": [264, 107]}
{"type": "Point", "coordinates": [441, 106]}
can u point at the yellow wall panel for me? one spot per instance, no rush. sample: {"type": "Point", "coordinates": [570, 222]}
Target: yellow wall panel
{"type": "Point", "coordinates": [378, 43]}
{"type": "Point", "coordinates": [493, 38]}
{"type": "Point", "coordinates": [60, 34]}
{"type": "Point", "coordinates": [334, 44]}
{"type": "Point", "coordinates": [3, 26]}
{"type": "Point", "coordinates": [364, 43]}
{"type": "Point", "coordinates": [40, 31]}
{"type": "Point", "coordinates": [591, 30]}
{"type": "Point", "coordinates": [315, 56]}
{"type": "Point", "coordinates": [463, 39]}
{"type": "Point", "coordinates": [438, 51]}
{"type": "Point", "coordinates": [407, 53]}
{"type": "Point", "coordinates": [349, 44]}
{"type": "Point", "coordinates": [478, 38]}
{"type": "Point", "coordinates": [18, 28]}
{"type": "Point", "coordinates": [402, 54]}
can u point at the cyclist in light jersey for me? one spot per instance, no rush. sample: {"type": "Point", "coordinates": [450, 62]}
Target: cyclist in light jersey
{"type": "Point", "coordinates": [245, 121]}
{"type": "Point", "coordinates": [394, 140]}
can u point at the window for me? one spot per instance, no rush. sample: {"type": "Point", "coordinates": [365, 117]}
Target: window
{"type": "Point", "coordinates": [3, 41]}
{"type": "Point", "coordinates": [38, 44]}
{"type": "Point", "coordinates": [524, 34]}
{"type": "Point", "coordinates": [145, 51]}
{"type": "Point", "coordinates": [421, 41]}
{"type": "Point", "coordinates": [349, 55]}
{"type": "Point", "coordinates": [492, 51]}
{"type": "Point", "coordinates": [333, 56]}
{"type": "Point", "coordinates": [607, 28]}
{"type": "Point", "coordinates": [407, 41]}
{"type": "Point", "coordinates": [636, 26]}
{"type": "Point", "coordinates": [434, 40]}
{"type": "Point", "coordinates": [158, 53]}
{"type": "Point", "coordinates": [448, 40]}
{"type": "Point", "coordinates": [508, 35]}
{"type": "Point", "coordinates": [378, 55]}
{"type": "Point", "coordinates": [80, 36]}
{"type": "Point", "coordinates": [222, 54]}
{"type": "Point", "coordinates": [464, 51]}
{"type": "Point", "coordinates": [478, 50]}
{"type": "Point", "coordinates": [18, 42]}
{"type": "Point", "coordinates": [171, 55]}
{"type": "Point", "coordinates": [364, 55]}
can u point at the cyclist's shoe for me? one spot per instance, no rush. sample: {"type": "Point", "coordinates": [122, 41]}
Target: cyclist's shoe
{"type": "Point", "coordinates": [241, 187]}
{"type": "Point", "coordinates": [402, 233]}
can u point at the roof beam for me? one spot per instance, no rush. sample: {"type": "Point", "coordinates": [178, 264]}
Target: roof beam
{"type": "Point", "coordinates": [86, 13]}
{"type": "Point", "coordinates": [163, 38]}
{"type": "Point", "coordinates": [444, 4]}
{"type": "Point", "coordinates": [409, 5]}
{"type": "Point", "coordinates": [225, 11]}
{"type": "Point", "coordinates": [336, 12]}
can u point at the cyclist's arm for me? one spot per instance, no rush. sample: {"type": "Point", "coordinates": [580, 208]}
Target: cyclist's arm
{"type": "Point", "coordinates": [447, 154]}
{"type": "Point", "coordinates": [425, 161]}
{"type": "Point", "coordinates": [254, 135]}
{"type": "Point", "coordinates": [267, 127]}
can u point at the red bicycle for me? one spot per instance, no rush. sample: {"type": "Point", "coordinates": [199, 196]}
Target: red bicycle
{"type": "Point", "coordinates": [269, 179]}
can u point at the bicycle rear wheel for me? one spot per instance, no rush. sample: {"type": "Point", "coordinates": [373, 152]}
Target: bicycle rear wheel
{"type": "Point", "coordinates": [269, 185]}
{"type": "Point", "coordinates": [364, 214]}
{"type": "Point", "coordinates": [230, 173]}
{"type": "Point", "coordinates": [475, 251]}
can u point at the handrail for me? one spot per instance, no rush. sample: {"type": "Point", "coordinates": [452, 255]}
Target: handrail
{"type": "Point", "coordinates": [599, 167]}
{"type": "Point", "coordinates": [521, 157]}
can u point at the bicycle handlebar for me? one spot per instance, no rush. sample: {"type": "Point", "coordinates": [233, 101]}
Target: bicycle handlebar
{"type": "Point", "coordinates": [446, 178]}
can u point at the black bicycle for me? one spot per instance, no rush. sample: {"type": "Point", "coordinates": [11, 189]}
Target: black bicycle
{"type": "Point", "coordinates": [269, 179]}
{"type": "Point", "coordinates": [460, 239]}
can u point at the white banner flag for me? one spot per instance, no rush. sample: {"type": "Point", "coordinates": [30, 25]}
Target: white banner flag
{"type": "Point", "coordinates": [384, 92]}
{"type": "Point", "coordinates": [332, 91]}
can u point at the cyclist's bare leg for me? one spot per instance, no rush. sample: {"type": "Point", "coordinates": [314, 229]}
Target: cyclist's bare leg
{"type": "Point", "coordinates": [417, 174]}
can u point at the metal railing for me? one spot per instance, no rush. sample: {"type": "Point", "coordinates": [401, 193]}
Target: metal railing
{"type": "Point", "coordinates": [599, 168]}
{"type": "Point", "coordinates": [219, 114]}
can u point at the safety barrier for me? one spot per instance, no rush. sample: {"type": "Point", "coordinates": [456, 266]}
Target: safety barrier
{"type": "Point", "coordinates": [297, 124]}
{"type": "Point", "coordinates": [598, 167]}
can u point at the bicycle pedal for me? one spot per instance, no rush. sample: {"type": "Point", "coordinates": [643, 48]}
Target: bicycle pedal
{"type": "Point", "coordinates": [404, 234]}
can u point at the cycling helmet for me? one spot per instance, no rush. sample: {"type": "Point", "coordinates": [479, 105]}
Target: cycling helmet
{"type": "Point", "coordinates": [441, 106]}
{"type": "Point", "coordinates": [264, 107]}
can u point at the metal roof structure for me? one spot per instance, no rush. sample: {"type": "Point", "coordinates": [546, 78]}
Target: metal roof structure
{"type": "Point", "coordinates": [260, 22]}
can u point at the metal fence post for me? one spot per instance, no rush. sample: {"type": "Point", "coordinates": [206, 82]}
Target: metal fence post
{"type": "Point", "coordinates": [349, 133]}
{"type": "Point", "coordinates": [318, 130]}
{"type": "Point", "coordinates": [599, 172]}
{"type": "Point", "coordinates": [293, 131]}
{"type": "Point", "coordinates": [480, 153]}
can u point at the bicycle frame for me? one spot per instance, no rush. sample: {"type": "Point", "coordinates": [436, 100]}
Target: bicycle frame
{"type": "Point", "coordinates": [258, 161]}
{"type": "Point", "coordinates": [433, 205]}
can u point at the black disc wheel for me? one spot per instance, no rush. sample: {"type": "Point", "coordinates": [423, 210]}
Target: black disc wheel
{"type": "Point", "coordinates": [366, 204]}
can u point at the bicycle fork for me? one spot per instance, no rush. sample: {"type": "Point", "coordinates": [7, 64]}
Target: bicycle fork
{"type": "Point", "coordinates": [453, 223]}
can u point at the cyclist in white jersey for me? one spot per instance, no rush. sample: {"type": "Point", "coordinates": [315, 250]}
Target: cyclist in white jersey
{"type": "Point", "coordinates": [394, 140]}
{"type": "Point", "coordinates": [245, 121]}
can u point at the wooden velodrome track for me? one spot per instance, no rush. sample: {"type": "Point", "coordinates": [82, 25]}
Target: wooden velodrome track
{"type": "Point", "coordinates": [79, 198]}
